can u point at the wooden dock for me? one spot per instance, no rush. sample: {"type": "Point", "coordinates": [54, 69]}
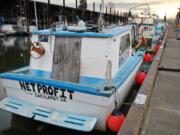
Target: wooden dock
{"type": "Point", "coordinates": [156, 109]}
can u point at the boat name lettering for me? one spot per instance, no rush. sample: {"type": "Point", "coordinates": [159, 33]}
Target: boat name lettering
{"type": "Point", "coordinates": [46, 92]}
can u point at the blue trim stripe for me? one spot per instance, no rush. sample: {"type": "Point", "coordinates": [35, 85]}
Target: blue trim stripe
{"type": "Point", "coordinates": [82, 34]}
{"type": "Point", "coordinates": [54, 83]}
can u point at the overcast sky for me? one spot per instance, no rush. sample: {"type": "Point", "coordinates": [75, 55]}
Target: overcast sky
{"type": "Point", "coordinates": [161, 7]}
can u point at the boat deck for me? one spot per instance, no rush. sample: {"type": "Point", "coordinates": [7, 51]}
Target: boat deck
{"type": "Point", "coordinates": [156, 110]}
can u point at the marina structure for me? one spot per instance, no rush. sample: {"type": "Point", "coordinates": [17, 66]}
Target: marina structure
{"type": "Point", "coordinates": [42, 15]}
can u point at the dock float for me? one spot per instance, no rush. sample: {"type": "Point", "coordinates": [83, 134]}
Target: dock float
{"type": "Point", "coordinates": [156, 109]}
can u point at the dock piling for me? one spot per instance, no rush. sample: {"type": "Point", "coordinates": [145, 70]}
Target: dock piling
{"type": "Point", "coordinates": [27, 14]}
{"type": "Point", "coordinates": [49, 13]}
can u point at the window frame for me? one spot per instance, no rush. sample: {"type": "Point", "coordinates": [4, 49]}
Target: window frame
{"type": "Point", "coordinates": [123, 48]}
{"type": "Point", "coordinates": [46, 38]}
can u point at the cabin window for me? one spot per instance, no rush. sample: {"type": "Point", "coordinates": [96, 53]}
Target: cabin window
{"type": "Point", "coordinates": [43, 38]}
{"type": "Point", "coordinates": [124, 44]}
{"type": "Point", "coordinates": [124, 49]}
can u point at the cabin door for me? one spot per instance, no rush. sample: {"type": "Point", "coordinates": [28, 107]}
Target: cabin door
{"type": "Point", "coordinates": [66, 59]}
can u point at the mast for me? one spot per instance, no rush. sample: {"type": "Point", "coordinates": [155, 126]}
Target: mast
{"type": "Point", "coordinates": [35, 13]}
{"type": "Point", "coordinates": [27, 15]}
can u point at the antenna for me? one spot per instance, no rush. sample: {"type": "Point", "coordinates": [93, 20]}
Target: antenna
{"type": "Point", "coordinates": [136, 6]}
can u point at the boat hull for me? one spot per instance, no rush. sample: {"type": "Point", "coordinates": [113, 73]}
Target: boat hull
{"type": "Point", "coordinates": [75, 102]}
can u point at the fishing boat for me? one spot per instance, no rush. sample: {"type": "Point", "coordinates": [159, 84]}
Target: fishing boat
{"type": "Point", "coordinates": [178, 25]}
{"type": "Point", "coordinates": [147, 29]}
{"type": "Point", "coordinates": [15, 29]}
{"type": "Point", "coordinates": [75, 78]}
{"type": "Point", "coordinates": [149, 26]}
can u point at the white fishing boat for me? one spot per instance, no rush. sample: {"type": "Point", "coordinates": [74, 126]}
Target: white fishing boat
{"type": "Point", "coordinates": [16, 29]}
{"type": "Point", "coordinates": [149, 26]}
{"type": "Point", "coordinates": [8, 29]}
{"type": "Point", "coordinates": [74, 79]}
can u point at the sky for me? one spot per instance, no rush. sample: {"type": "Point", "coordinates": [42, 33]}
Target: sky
{"type": "Point", "coordinates": [160, 7]}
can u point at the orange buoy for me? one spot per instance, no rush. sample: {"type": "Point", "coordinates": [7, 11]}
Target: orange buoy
{"type": "Point", "coordinates": [115, 121]}
{"type": "Point", "coordinates": [140, 77]}
{"type": "Point", "coordinates": [147, 57]}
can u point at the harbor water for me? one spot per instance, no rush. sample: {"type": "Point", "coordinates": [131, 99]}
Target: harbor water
{"type": "Point", "coordinates": [13, 54]}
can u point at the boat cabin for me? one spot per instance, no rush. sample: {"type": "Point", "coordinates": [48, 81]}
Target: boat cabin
{"type": "Point", "coordinates": [82, 57]}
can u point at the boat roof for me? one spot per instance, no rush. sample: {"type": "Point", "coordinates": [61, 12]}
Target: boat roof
{"type": "Point", "coordinates": [106, 33]}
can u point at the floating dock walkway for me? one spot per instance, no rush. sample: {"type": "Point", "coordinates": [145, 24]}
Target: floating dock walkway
{"type": "Point", "coordinates": [156, 109]}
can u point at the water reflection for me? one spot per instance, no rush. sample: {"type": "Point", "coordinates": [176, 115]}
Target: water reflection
{"type": "Point", "coordinates": [13, 53]}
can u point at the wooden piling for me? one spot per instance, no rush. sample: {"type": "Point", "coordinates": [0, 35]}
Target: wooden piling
{"type": "Point", "coordinates": [110, 15]}
{"type": "Point", "coordinates": [93, 11]}
{"type": "Point", "coordinates": [76, 7]}
{"type": "Point", "coordinates": [64, 16]}
{"type": "Point", "coordinates": [114, 16]}
{"type": "Point", "coordinates": [27, 14]}
{"type": "Point", "coordinates": [105, 17]}
{"type": "Point", "coordinates": [49, 14]}
{"type": "Point", "coordinates": [117, 17]}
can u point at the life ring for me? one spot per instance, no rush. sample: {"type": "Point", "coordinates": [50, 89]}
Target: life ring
{"type": "Point", "coordinates": [37, 50]}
